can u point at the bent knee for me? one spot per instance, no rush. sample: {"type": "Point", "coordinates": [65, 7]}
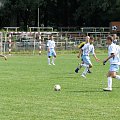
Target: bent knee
{"type": "Point", "coordinates": [90, 66]}
{"type": "Point", "coordinates": [114, 76]}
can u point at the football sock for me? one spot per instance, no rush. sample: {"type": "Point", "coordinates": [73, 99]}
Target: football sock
{"type": "Point", "coordinates": [117, 77]}
{"type": "Point", "coordinates": [84, 65]}
{"type": "Point", "coordinates": [109, 82]}
{"type": "Point", "coordinates": [48, 60]}
{"type": "Point", "coordinates": [79, 66]}
{"type": "Point", "coordinates": [53, 59]}
{"type": "Point", "coordinates": [85, 71]}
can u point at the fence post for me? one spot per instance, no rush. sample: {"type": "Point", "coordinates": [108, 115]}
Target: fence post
{"type": "Point", "coordinates": [39, 44]}
{"type": "Point", "coordinates": [10, 43]}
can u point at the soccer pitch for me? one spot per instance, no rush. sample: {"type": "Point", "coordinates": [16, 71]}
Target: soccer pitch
{"type": "Point", "coordinates": [27, 90]}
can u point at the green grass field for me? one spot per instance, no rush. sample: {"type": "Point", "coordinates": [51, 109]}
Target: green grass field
{"type": "Point", "coordinates": [26, 90]}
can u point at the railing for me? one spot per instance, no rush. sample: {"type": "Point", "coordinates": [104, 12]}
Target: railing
{"type": "Point", "coordinates": [11, 29]}
{"type": "Point", "coordinates": [41, 29]}
{"type": "Point", "coordinates": [63, 40]}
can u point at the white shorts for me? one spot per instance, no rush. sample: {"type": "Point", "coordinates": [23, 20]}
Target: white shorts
{"type": "Point", "coordinates": [86, 59]}
{"type": "Point", "coordinates": [114, 68]}
{"type": "Point", "coordinates": [52, 52]}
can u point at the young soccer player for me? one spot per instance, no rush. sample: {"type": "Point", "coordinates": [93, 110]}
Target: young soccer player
{"type": "Point", "coordinates": [86, 50]}
{"type": "Point", "coordinates": [51, 50]}
{"type": "Point", "coordinates": [114, 59]}
{"type": "Point", "coordinates": [80, 54]}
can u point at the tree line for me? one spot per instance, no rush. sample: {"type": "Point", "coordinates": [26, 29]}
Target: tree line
{"type": "Point", "coordinates": [58, 13]}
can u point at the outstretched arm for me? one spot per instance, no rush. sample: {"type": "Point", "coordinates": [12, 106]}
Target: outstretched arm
{"type": "Point", "coordinates": [96, 57]}
{"type": "Point", "coordinates": [111, 56]}
{"type": "Point", "coordinates": [93, 52]}
{"type": "Point", "coordinates": [80, 53]}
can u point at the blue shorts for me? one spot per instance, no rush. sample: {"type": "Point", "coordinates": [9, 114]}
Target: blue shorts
{"type": "Point", "coordinates": [52, 52]}
{"type": "Point", "coordinates": [114, 68]}
{"type": "Point", "coordinates": [86, 59]}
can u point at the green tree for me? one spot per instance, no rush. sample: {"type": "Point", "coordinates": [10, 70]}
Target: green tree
{"type": "Point", "coordinates": [55, 13]}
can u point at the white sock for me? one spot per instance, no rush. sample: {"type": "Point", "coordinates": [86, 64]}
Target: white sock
{"type": "Point", "coordinates": [84, 65]}
{"type": "Point", "coordinates": [85, 71]}
{"type": "Point", "coordinates": [79, 66]}
{"type": "Point", "coordinates": [109, 82]}
{"type": "Point", "coordinates": [53, 59]}
{"type": "Point", "coordinates": [48, 60]}
{"type": "Point", "coordinates": [117, 77]}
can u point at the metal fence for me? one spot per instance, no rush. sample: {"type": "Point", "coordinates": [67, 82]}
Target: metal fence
{"type": "Point", "coordinates": [33, 42]}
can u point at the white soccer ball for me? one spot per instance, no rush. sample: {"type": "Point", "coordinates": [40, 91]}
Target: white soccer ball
{"type": "Point", "coordinates": [57, 87]}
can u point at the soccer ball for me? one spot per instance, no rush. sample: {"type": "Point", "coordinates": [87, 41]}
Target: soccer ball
{"type": "Point", "coordinates": [57, 87]}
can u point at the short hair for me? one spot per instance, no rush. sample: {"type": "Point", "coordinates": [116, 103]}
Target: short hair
{"type": "Point", "coordinates": [91, 38]}
{"type": "Point", "coordinates": [110, 38]}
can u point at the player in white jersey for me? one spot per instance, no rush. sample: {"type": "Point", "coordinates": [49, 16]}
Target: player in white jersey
{"type": "Point", "coordinates": [86, 50]}
{"type": "Point", "coordinates": [114, 59]}
{"type": "Point", "coordinates": [80, 53]}
{"type": "Point", "coordinates": [51, 50]}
